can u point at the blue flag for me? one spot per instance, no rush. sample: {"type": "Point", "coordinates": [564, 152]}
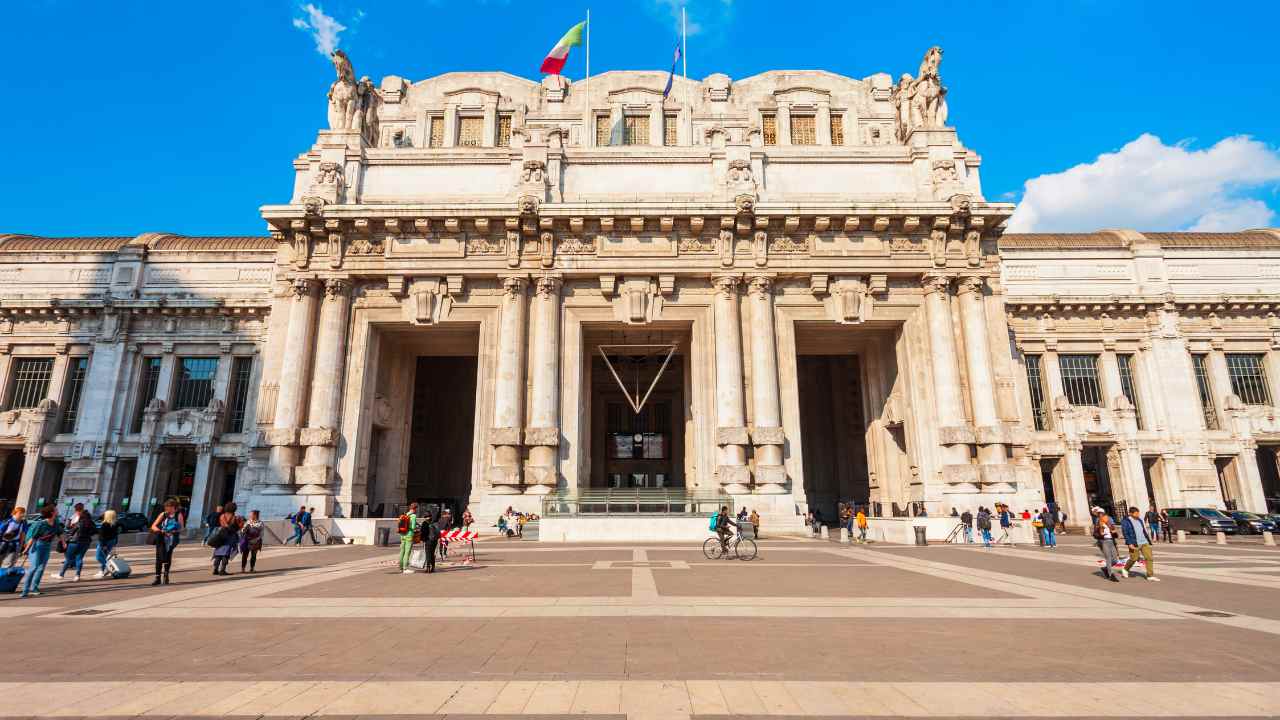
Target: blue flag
{"type": "Point", "coordinates": [672, 77]}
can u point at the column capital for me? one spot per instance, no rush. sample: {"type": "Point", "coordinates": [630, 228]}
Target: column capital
{"type": "Point", "coordinates": [935, 282]}
{"type": "Point", "coordinates": [337, 288]}
{"type": "Point", "coordinates": [726, 285]}
{"type": "Point", "coordinates": [760, 285]}
{"type": "Point", "coordinates": [548, 286]}
{"type": "Point", "coordinates": [514, 285]}
{"type": "Point", "coordinates": [970, 284]}
{"type": "Point", "coordinates": [304, 287]}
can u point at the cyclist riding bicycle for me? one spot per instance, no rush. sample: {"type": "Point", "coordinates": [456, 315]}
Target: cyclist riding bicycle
{"type": "Point", "coordinates": [722, 527]}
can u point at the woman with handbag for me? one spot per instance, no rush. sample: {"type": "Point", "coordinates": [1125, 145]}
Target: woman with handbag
{"type": "Point", "coordinates": [40, 537]}
{"type": "Point", "coordinates": [226, 539]}
{"type": "Point", "coordinates": [165, 534]}
{"type": "Point", "coordinates": [80, 534]}
{"type": "Point", "coordinates": [251, 541]}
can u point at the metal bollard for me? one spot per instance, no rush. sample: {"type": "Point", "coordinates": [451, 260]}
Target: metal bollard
{"type": "Point", "coordinates": [844, 535]}
{"type": "Point", "coordinates": [921, 539]}
{"type": "Point", "coordinates": [1268, 538]}
{"type": "Point", "coordinates": [1222, 538]}
{"type": "Point", "coordinates": [1182, 536]}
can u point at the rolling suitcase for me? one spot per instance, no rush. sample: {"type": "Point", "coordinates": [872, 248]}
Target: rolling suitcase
{"type": "Point", "coordinates": [11, 578]}
{"type": "Point", "coordinates": [118, 567]}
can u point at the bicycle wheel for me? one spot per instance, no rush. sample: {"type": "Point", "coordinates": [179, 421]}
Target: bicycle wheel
{"type": "Point", "coordinates": [712, 549]}
{"type": "Point", "coordinates": [746, 549]}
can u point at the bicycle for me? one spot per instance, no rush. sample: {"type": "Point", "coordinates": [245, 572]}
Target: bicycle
{"type": "Point", "coordinates": [743, 548]}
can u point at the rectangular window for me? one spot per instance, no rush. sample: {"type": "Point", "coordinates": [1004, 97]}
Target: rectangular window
{"type": "Point", "coordinates": [837, 129]}
{"type": "Point", "coordinates": [1200, 365]}
{"type": "Point", "coordinates": [1127, 385]}
{"type": "Point", "coordinates": [72, 392]}
{"type": "Point", "coordinates": [30, 382]}
{"type": "Point", "coordinates": [635, 130]}
{"type": "Point", "coordinates": [149, 382]}
{"type": "Point", "coordinates": [804, 130]}
{"type": "Point", "coordinates": [670, 123]}
{"type": "Point", "coordinates": [769, 128]}
{"type": "Point", "coordinates": [195, 382]}
{"type": "Point", "coordinates": [241, 369]}
{"type": "Point", "coordinates": [1035, 383]}
{"type": "Point", "coordinates": [1080, 379]}
{"type": "Point", "coordinates": [470, 131]}
{"type": "Point", "coordinates": [504, 131]}
{"type": "Point", "coordinates": [1248, 378]}
{"type": "Point", "coordinates": [401, 139]}
{"type": "Point", "coordinates": [436, 137]}
{"type": "Point", "coordinates": [603, 131]}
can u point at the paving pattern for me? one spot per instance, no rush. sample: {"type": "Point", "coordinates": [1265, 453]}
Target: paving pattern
{"type": "Point", "coordinates": [810, 629]}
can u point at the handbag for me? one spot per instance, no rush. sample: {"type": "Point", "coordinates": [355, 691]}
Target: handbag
{"type": "Point", "coordinates": [62, 546]}
{"type": "Point", "coordinates": [218, 538]}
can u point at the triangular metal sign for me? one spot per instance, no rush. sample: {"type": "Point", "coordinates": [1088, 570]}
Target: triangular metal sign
{"type": "Point", "coordinates": [634, 399]}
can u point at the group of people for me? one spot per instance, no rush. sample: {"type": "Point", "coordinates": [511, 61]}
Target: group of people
{"type": "Point", "coordinates": [1139, 536]}
{"type": "Point", "coordinates": [752, 518]}
{"type": "Point", "coordinates": [511, 522]}
{"type": "Point", "coordinates": [37, 539]}
{"type": "Point", "coordinates": [852, 518]}
{"type": "Point", "coordinates": [983, 522]}
{"type": "Point", "coordinates": [413, 530]}
{"type": "Point", "coordinates": [302, 525]}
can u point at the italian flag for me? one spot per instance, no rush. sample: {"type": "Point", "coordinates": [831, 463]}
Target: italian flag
{"type": "Point", "coordinates": [555, 60]}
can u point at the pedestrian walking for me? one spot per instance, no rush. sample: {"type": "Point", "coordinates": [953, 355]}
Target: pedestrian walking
{"type": "Point", "coordinates": [1153, 523]}
{"type": "Point", "coordinates": [13, 535]}
{"type": "Point", "coordinates": [251, 541]}
{"type": "Point", "coordinates": [432, 543]}
{"type": "Point", "coordinates": [166, 532]}
{"type": "Point", "coordinates": [1048, 532]}
{"type": "Point", "coordinates": [1037, 525]}
{"type": "Point", "coordinates": [408, 530]}
{"type": "Point", "coordinates": [1138, 537]}
{"type": "Point", "coordinates": [40, 538]}
{"type": "Point", "coordinates": [754, 519]}
{"type": "Point", "coordinates": [1104, 533]}
{"type": "Point", "coordinates": [984, 526]}
{"type": "Point", "coordinates": [80, 532]}
{"type": "Point", "coordinates": [1165, 528]}
{"type": "Point", "coordinates": [1062, 520]}
{"type": "Point", "coordinates": [296, 519]}
{"type": "Point", "coordinates": [227, 538]}
{"type": "Point", "coordinates": [846, 518]}
{"type": "Point", "coordinates": [1006, 523]}
{"type": "Point", "coordinates": [307, 524]}
{"type": "Point", "coordinates": [966, 524]}
{"type": "Point", "coordinates": [211, 523]}
{"type": "Point", "coordinates": [108, 536]}
{"type": "Point", "coordinates": [467, 519]}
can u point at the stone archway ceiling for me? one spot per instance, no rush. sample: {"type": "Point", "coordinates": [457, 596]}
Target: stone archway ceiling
{"type": "Point", "coordinates": [634, 399]}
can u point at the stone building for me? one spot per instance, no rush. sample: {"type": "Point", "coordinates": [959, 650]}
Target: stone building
{"type": "Point", "coordinates": [787, 289]}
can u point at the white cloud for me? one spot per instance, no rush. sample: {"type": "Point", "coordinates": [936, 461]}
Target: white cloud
{"type": "Point", "coordinates": [1148, 185]}
{"type": "Point", "coordinates": [700, 15]}
{"type": "Point", "coordinates": [324, 29]}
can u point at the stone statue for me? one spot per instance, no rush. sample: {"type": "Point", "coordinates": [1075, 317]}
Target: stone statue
{"type": "Point", "coordinates": [920, 102]}
{"type": "Point", "coordinates": [366, 117]}
{"type": "Point", "coordinates": [901, 98]}
{"type": "Point", "coordinates": [343, 94]}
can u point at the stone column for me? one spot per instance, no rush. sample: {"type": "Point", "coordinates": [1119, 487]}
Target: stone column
{"type": "Point", "coordinates": [295, 376]}
{"type": "Point", "coordinates": [1219, 377]}
{"type": "Point", "coordinates": [766, 430]}
{"type": "Point", "coordinates": [542, 436]}
{"type": "Point", "coordinates": [731, 431]}
{"type": "Point", "coordinates": [321, 434]}
{"type": "Point", "coordinates": [946, 375]}
{"type": "Point", "coordinates": [1076, 502]}
{"type": "Point", "coordinates": [508, 391]}
{"type": "Point", "coordinates": [982, 385]}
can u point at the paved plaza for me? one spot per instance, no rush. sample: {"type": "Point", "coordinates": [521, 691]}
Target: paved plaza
{"type": "Point", "coordinates": [810, 629]}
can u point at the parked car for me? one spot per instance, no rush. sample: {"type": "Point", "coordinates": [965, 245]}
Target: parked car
{"type": "Point", "coordinates": [1252, 523]}
{"type": "Point", "coordinates": [130, 522]}
{"type": "Point", "coordinates": [1205, 521]}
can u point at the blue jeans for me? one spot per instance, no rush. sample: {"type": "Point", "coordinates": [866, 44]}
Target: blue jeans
{"type": "Point", "coordinates": [968, 534]}
{"type": "Point", "coordinates": [297, 536]}
{"type": "Point", "coordinates": [1050, 537]}
{"type": "Point", "coordinates": [75, 557]}
{"type": "Point", "coordinates": [104, 553]}
{"type": "Point", "coordinates": [38, 558]}
{"type": "Point", "coordinates": [1155, 532]}
{"type": "Point", "coordinates": [986, 538]}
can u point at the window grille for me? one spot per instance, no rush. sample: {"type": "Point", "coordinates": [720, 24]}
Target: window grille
{"type": "Point", "coordinates": [670, 122]}
{"type": "Point", "coordinates": [1035, 383]}
{"type": "Point", "coordinates": [504, 131]}
{"type": "Point", "coordinates": [603, 131]}
{"type": "Point", "coordinates": [769, 128]}
{"type": "Point", "coordinates": [150, 382]}
{"type": "Point", "coordinates": [1080, 379]}
{"type": "Point", "coordinates": [1127, 385]}
{"type": "Point", "coordinates": [1248, 378]}
{"type": "Point", "coordinates": [470, 131]}
{"type": "Point", "coordinates": [436, 138]}
{"type": "Point", "coordinates": [635, 130]}
{"type": "Point", "coordinates": [1200, 364]}
{"type": "Point", "coordinates": [837, 129]}
{"type": "Point", "coordinates": [71, 395]}
{"type": "Point", "coordinates": [30, 382]}
{"type": "Point", "coordinates": [195, 382]}
{"type": "Point", "coordinates": [804, 130]}
{"type": "Point", "coordinates": [241, 369]}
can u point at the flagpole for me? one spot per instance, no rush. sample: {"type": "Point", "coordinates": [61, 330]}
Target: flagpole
{"type": "Point", "coordinates": [588, 129]}
{"type": "Point", "coordinates": [684, 58]}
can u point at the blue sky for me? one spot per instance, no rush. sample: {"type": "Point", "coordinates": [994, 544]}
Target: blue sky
{"type": "Point", "coordinates": [124, 117]}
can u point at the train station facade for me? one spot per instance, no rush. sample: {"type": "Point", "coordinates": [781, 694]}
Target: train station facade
{"type": "Point", "coordinates": [787, 289]}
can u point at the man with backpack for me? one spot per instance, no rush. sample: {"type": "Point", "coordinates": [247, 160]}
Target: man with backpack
{"type": "Point", "coordinates": [966, 523]}
{"type": "Point", "coordinates": [296, 519]}
{"type": "Point", "coordinates": [722, 523]}
{"type": "Point", "coordinates": [12, 534]}
{"type": "Point", "coordinates": [407, 528]}
{"type": "Point", "coordinates": [304, 519]}
{"type": "Point", "coordinates": [984, 526]}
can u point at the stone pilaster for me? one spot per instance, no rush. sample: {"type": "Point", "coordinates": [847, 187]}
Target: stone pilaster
{"type": "Point", "coordinates": [320, 438]}
{"type": "Point", "coordinates": [954, 435]}
{"type": "Point", "coordinates": [508, 394]}
{"type": "Point", "coordinates": [542, 436]}
{"type": "Point", "coordinates": [766, 431]}
{"type": "Point", "coordinates": [295, 378]}
{"type": "Point", "coordinates": [982, 386]}
{"type": "Point", "coordinates": [731, 431]}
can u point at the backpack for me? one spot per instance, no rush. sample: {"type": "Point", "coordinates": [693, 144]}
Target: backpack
{"type": "Point", "coordinates": [714, 518]}
{"type": "Point", "coordinates": [403, 526]}
{"type": "Point", "coordinates": [984, 522]}
{"type": "Point", "coordinates": [12, 531]}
